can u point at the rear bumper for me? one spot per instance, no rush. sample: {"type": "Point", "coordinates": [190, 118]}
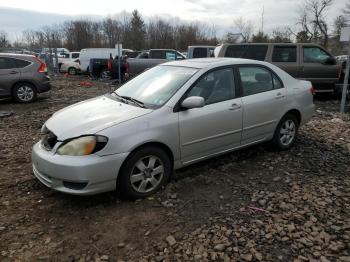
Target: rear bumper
{"type": "Point", "coordinates": [43, 86]}
{"type": "Point", "coordinates": [308, 112]}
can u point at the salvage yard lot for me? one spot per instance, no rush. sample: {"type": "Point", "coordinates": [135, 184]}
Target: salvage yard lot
{"type": "Point", "coordinates": [253, 205]}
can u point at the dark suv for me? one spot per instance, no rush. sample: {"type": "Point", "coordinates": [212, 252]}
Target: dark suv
{"type": "Point", "coordinates": [22, 77]}
{"type": "Point", "coordinates": [304, 61]}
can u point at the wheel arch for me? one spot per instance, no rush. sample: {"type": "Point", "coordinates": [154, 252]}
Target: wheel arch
{"type": "Point", "coordinates": [23, 82]}
{"type": "Point", "coordinates": [296, 113]}
{"type": "Point", "coordinates": [160, 145]}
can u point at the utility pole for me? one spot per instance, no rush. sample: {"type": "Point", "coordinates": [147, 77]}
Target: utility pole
{"type": "Point", "coordinates": [262, 20]}
{"type": "Point", "coordinates": [345, 37]}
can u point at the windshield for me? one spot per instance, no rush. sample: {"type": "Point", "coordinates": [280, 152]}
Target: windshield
{"type": "Point", "coordinates": [157, 85]}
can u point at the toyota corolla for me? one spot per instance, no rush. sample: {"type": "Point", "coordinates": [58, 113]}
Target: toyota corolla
{"type": "Point", "coordinates": [168, 117]}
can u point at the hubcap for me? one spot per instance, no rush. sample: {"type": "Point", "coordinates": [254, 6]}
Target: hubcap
{"type": "Point", "coordinates": [105, 75]}
{"type": "Point", "coordinates": [147, 174]}
{"type": "Point", "coordinates": [72, 71]}
{"type": "Point", "coordinates": [25, 93]}
{"type": "Point", "coordinates": [287, 132]}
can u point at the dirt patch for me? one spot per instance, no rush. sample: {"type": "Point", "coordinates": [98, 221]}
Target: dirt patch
{"type": "Point", "coordinates": [251, 205]}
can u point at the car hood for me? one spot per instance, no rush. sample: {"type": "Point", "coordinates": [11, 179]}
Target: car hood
{"type": "Point", "coordinates": [92, 116]}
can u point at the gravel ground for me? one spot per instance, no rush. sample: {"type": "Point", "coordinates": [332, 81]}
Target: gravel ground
{"type": "Point", "coordinates": [253, 205]}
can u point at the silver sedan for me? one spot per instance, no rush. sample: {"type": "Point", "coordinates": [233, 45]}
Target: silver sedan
{"type": "Point", "coordinates": [170, 116]}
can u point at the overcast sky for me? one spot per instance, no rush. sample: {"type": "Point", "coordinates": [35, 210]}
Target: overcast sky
{"type": "Point", "coordinates": [18, 15]}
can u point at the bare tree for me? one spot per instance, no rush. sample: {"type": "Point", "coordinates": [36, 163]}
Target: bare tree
{"type": "Point", "coordinates": [281, 35]}
{"type": "Point", "coordinates": [4, 42]}
{"type": "Point", "coordinates": [245, 27]}
{"type": "Point", "coordinates": [313, 20]}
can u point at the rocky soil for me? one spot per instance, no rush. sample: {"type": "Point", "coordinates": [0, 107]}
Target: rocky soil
{"type": "Point", "coordinates": [253, 205]}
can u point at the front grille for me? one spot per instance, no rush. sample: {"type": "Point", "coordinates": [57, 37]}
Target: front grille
{"type": "Point", "coordinates": [49, 141]}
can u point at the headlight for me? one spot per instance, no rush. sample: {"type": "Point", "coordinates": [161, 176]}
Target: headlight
{"type": "Point", "coordinates": [82, 146]}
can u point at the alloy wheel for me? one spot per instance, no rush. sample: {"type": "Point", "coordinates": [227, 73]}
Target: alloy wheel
{"type": "Point", "coordinates": [147, 174]}
{"type": "Point", "coordinates": [25, 93]}
{"type": "Point", "coordinates": [287, 132]}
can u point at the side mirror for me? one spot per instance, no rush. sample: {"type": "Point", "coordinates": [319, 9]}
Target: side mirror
{"type": "Point", "coordinates": [193, 102]}
{"type": "Point", "coordinates": [330, 61]}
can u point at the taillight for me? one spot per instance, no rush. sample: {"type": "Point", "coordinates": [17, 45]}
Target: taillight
{"type": "Point", "coordinates": [42, 68]}
{"type": "Point", "coordinates": [312, 90]}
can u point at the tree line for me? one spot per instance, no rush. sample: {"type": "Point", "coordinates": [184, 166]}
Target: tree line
{"type": "Point", "coordinates": [133, 32]}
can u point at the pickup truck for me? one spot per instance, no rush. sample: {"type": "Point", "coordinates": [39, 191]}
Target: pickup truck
{"type": "Point", "coordinates": [151, 58]}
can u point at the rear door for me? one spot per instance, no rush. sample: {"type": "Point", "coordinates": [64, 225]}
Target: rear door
{"type": "Point", "coordinates": [315, 69]}
{"type": "Point", "coordinates": [9, 75]}
{"type": "Point", "coordinates": [286, 57]}
{"type": "Point", "coordinates": [263, 98]}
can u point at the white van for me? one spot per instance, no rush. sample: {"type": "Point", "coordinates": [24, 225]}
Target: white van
{"type": "Point", "coordinates": [88, 53]}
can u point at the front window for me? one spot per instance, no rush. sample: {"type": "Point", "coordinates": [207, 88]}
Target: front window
{"type": "Point", "coordinates": [215, 87]}
{"type": "Point", "coordinates": [315, 55]}
{"type": "Point", "coordinates": [157, 85]}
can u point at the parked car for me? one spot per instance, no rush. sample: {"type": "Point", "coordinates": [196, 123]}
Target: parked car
{"type": "Point", "coordinates": [71, 67]}
{"type": "Point", "coordinates": [151, 58]}
{"type": "Point", "coordinates": [107, 68]}
{"type": "Point", "coordinates": [71, 56]}
{"type": "Point", "coordinates": [303, 61]}
{"type": "Point", "coordinates": [170, 116]}
{"type": "Point", "coordinates": [102, 53]}
{"type": "Point", "coordinates": [200, 51]}
{"type": "Point", "coordinates": [22, 77]}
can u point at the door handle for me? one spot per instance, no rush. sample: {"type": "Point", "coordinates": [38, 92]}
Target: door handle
{"type": "Point", "coordinates": [279, 96]}
{"type": "Point", "coordinates": [13, 72]}
{"type": "Point", "coordinates": [235, 106]}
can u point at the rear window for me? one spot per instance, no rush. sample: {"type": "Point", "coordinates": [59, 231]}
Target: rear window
{"type": "Point", "coordinates": [157, 54]}
{"type": "Point", "coordinates": [284, 54]}
{"type": "Point", "coordinates": [75, 55]}
{"type": "Point", "coordinates": [21, 63]}
{"type": "Point", "coordinates": [255, 52]}
{"type": "Point", "coordinates": [199, 52]}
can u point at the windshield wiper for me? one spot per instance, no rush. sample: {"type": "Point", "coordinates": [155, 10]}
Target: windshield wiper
{"type": "Point", "coordinates": [128, 98]}
{"type": "Point", "coordinates": [135, 101]}
{"type": "Point", "coordinates": [121, 98]}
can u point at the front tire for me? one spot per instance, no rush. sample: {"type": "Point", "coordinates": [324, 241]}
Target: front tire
{"type": "Point", "coordinates": [24, 93]}
{"type": "Point", "coordinates": [144, 173]}
{"type": "Point", "coordinates": [286, 132]}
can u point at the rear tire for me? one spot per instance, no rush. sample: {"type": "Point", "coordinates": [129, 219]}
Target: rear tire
{"type": "Point", "coordinates": [72, 71]}
{"type": "Point", "coordinates": [286, 132]}
{"type": "Point", "coordinates": [105, 74]}
{"type": "Point", "coordinates": [145, 172]}
{"type": "Point", "coordinates": [24, 93]}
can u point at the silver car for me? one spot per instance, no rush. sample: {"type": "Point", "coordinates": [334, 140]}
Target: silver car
{"type": "Point", "coordinates": [168, 117]}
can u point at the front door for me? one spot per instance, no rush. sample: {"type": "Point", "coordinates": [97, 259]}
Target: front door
{"type": "Point", "coordinates": [263, 98]}
{"type": "Point", "coordinates": [217, 126]}
{"type": "Point", "coordinates": [314, 68]}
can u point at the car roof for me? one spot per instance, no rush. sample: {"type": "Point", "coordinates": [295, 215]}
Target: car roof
{"type": "Point", "coordinates": [16, 55]}
{"type": "Point", "coordinates": [287, 44]}
{"type": "Point", "coordinates": [213, 62]}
